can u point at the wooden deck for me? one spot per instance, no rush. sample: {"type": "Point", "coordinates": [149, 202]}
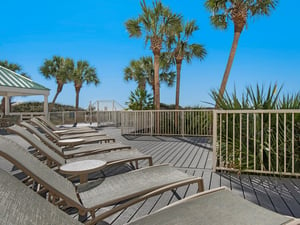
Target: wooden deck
{"type": "Point", "coordinates": [193, 155]}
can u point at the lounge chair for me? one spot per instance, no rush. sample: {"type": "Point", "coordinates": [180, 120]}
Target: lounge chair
{"type": "Point", "coordinates": [62, 136]}
{"type": "Point", "coordinates": [214, 207]}
{"type": "Point", "coordinates": [198, 209]}
{"type": "Point", "coordinates": [68, 152]}
{"type": "Point", "coordinates": [58, 158]}
{"type": "Point", "coordinates": [69, 130]}
{"type": "Point", "coordinates": [133, 186]}
{"type": "Point", "coordinates": [74, 141]}
{"type": "Point", "coordinates": [19, 205]}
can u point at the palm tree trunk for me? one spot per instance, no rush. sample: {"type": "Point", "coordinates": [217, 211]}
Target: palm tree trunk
{"type": "Point", "coordinates": [178, 71]}
{"type": "Point", "coordinates": [156, 82]}
{"type": "Point", "coordinates": [58, 90]}
{"type": "Point", "coordinates": [77, 90]}
{"type": "Point", "coordinates": [237, 34]}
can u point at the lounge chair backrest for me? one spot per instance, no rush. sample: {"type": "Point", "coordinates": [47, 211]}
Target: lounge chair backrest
{"type": "Point", "coordinates": [34, 168]}
{"type": "Point", "coordinates": [45, 129]}
{"type": "Point", "coordinates": [19, 205]}
{"type": "Point", "coordinates": [41, 136]}
{"type": "Point", "coordinates": [36, 143]}
{"type": "Point", "coordinates": [47, 122]}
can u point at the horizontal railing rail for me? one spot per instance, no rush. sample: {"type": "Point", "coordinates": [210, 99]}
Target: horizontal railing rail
{"type": "Point", "coordinates": [257, 141]}
{"type": "Point", "coordinates": [102, 118]}
{"type": "Point", "coordinates": [26, 115]}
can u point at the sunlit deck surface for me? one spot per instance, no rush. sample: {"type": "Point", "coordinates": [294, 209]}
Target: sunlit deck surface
{"type": "Point", "coordinates": [193, 155]}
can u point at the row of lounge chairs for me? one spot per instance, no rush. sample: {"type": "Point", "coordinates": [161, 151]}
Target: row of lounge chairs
{"type": "Point", "coordinates": [122, 190]}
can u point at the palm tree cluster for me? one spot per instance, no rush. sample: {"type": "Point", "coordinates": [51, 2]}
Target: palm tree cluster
{"type": "Point", "coordinates": [167, 31]}
{"type": "Point", "coordinates": [65, 70]}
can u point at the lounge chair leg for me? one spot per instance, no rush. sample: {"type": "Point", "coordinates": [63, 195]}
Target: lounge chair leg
{"type": "Point", "coordinates": [176, 194]}
{"type": "Point", "coordinates": [82, 218]}
{"type": "Point", "coordinates": [132, 166]}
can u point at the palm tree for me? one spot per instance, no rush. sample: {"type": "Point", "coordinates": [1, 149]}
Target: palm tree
{"type": "Point", "coordinates": [153, 23]}
{"type": "Point", "coordinates": [136, 71]}
{"type": "Point", "coordinates": [82, 73]}
{"type": "Point", "coordinates": [59, 68]}
{"type": "Point", "coordinates": [239, 11]}
{"type": "Point", "coordinates": [13, 67]}
{"type": "Point", "coordinates": [142, 71]}
{"type": "Point", "coordinates": [179, 39]}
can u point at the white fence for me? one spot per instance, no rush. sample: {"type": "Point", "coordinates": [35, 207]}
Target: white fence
{"type": "Point", "coordinates": [259, 141]}
{"type": "Point", "coordinates": [167, 122]}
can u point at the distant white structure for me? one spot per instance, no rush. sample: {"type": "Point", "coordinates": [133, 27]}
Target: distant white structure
{"type": "Point", "coordinates": [107, 105]}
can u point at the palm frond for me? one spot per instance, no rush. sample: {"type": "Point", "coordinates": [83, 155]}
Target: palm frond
{"type": "Point", "coordinates": [219, 21]}
{"type": "Point", "coordinates": [190, 28]}
{"type": "Point", "coordinates": [262, 7]}
{"type": "Point", "coordinates": [133, 28]}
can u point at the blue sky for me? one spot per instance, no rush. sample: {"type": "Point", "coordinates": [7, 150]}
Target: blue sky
{"type": "Point", "coordinates": [93, 30]}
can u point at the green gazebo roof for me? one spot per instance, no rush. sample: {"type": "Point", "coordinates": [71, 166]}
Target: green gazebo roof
{"type": "Point", "coordinates": [14, 84]}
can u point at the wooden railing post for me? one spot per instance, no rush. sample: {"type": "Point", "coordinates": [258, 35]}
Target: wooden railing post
{"type": "Point", "coordinates": [215, 138]}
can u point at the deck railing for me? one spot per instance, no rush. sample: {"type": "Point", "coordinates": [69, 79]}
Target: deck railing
{"type": "Point", "coordinates": [259, 141]}
{"type": "Point", "coordinates": [167, 122]}
{"type": "Point", "coordinates": [256, 141]}
{"type": "Point", "coordinates": [101, 117]}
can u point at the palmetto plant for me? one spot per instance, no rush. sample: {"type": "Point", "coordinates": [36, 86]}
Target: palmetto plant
{"type": "Point", "coordinates": [153, 24]}
{"type": "Point", "coordinates": [270, 140]}
{"type": "Point", "coordinates": [140, 100]}
{"type": "Point", "coordinates": [180, 48]}
{"type": "Point", "coordinates": [239, 12]}
{"type": "Point", "coordinates": [59, 68]}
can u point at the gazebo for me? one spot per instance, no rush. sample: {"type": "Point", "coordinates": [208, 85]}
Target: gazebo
{"type": "Point", "coordinates": [14, 84]}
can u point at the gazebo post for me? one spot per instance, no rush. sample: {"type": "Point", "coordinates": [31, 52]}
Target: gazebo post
{"type": "Point", "coordinates": [6, 105]}
{"type": "Point", "coordinates": [46, 105]}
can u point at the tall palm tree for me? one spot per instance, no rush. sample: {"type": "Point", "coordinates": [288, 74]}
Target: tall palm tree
{"type": "Point", "coordinates": [59, 68]}
{"type": "Point", "coordinates": [178, 39]}
{"type": "Point", "coordinates": [239, 11]}
{"type": "Point", "coordinates": [142, 71]}
{"type": "Point", "coordinates": [13, 67]}
{"type": "Point", "coordinates": [153, 23]}
{"type": "Point", "coordinates": [83, 73]}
